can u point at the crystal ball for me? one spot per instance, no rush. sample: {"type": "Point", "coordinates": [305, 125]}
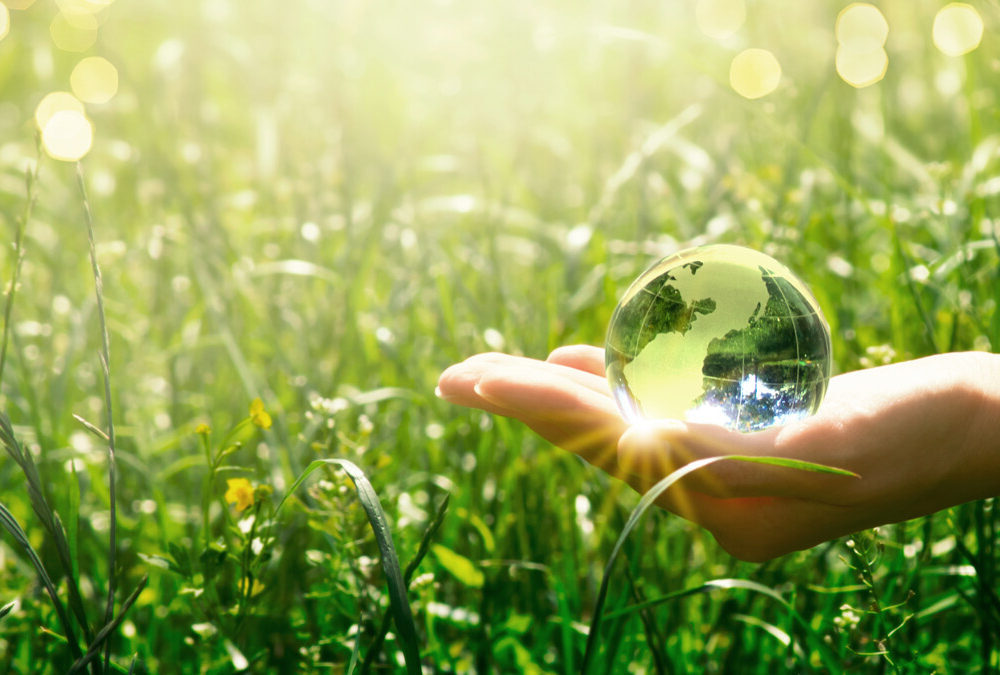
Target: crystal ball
{"type": "Point", "coordinates": [718, 334]}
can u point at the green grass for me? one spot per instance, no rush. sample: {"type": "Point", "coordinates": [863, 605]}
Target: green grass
{"type": "Point", "coordinates": [324, 204]}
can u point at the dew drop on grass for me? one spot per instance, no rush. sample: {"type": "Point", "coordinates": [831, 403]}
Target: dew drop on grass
{"type": "Point", "coordinates": [718, 334]}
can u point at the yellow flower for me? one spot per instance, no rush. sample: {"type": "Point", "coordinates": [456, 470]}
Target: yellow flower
{"type": "Point", "coordinates": [203, 429]}
{"type": "Point", "coordinates": [258, 415]}
{"type": "Point", "coordinates": [239, 492]}
{"type": "Point", "coordinates": [256, 588]}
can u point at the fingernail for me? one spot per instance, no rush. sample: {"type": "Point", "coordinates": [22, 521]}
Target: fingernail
{"type": "Point", "coordinates": [479, 391]}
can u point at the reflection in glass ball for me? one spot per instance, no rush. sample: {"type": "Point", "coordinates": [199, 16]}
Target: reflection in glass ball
{"type": "Point", "coordinates": [718, 334]}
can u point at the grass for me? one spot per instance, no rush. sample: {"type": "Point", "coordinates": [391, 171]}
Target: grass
{"type": "Point", "coordinates": [323, 205]}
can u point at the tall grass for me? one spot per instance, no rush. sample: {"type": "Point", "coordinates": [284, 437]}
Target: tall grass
{"type": "Point", "coordinates": [322, 205]}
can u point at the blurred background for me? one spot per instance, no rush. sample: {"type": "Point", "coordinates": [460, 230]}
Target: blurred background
{"type": "Point", "coordinates": [324, 203]}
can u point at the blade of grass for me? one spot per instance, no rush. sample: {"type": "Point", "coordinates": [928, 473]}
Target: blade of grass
{"type": "Point", "coordinates": [655, 641]}
{"type": "Point", "coordinates": [411, 567]}
{"type": "Point", "coordinates": [109, 609]}
{"type": "Point", "coordinates": [10, 524]}
{"type": "Point", "coordinates": [400, 606]}
{"type": "Point", "coordinates": [105, 633]}
{"type": "Point", "coordinates": [647, 501]}
{"type": "Point", "coordinates": [30, 180]}
{"type": "Point", "coordinates": [72, 531]}
{"type": "Point", "coordinates": [816, 642]}
{"type": "Point", "coordinates": [49, 519]}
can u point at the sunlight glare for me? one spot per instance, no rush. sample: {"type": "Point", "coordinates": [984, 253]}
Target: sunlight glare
{"type": "Point", "coordinates": [55, 102]}
{"type": "Point", "coordinates": [4, 21]}
{"type": "Point", "coordinates": [720, 18]}
{"type": "Point", "coordinates": [67, 135]}
{"type": "Point", "coordinates": [754, 73]}
{"type": "Point", "coordinates": [958, 29]}
{"type": "Point", "coordinates": [73, 32]}
{"type": "Point", "coordinates": [94, 80]}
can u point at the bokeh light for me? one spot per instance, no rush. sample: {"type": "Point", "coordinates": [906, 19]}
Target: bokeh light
{"type": "Point", "coordinates": [4, 21]}
{"type": "Point", "coordinates": [55, 102]}
{"type": "Point", "coordinates": [720, 18]}
{"type": "Point", "coordinates": [754, 73]}
{"type": "Point", "coordinates": [861, 69]}
{"type": "Point", "coordinates": [94, 80]}
{"type": "Point", "coordinates": [82, 6]}
{"type": "Point", "coordinates": [958, 29]}
{"type": "Point", "coordinates": [861, 28]}
{"type": "Point", "coordinates": [74, 32]}
{"type": "Point", "coordinates": [861, 31]}
{"type": "Point", "coordinates": [67, 135]}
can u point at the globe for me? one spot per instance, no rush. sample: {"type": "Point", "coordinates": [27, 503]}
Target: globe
{"type": "Point", "coordinates": [718, 334]}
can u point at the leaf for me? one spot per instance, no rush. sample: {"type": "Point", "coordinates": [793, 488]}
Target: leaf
{"type": "Point", "coordinates": [157, 561]}
{"type": "Point", "coordinates": [212, 559]}
{"type": "Point", "coordinates": [182, 559]}
{"type": "Point", "coordinates": [459, 566]}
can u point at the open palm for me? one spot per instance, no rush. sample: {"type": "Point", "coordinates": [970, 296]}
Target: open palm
{"type": "Point", "coordinates": [921, 435]}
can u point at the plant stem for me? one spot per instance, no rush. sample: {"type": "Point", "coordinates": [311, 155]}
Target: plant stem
{"type": "Point", "coordinates": [109, 611]}
{"type": "Point", "coordinates": [30, 180]}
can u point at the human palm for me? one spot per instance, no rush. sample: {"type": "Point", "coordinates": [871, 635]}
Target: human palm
{"type": "Point", "coordinates": [921, 436]}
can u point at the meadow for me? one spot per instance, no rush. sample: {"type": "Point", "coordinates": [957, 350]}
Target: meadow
{"type": "Point", "coordinates": [224, 322]}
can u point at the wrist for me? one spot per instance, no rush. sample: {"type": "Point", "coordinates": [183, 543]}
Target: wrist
{"type": "Point", "coordinates": [981, 436]}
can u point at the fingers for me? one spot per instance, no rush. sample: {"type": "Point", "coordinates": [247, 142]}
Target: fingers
{"type": "Point", "coordinates": [572, 416]}
{"type": "Point", "coordinates": [587, 358]}
{"type": "Point", "coordinates": [457, 383]}
{"type": "Point", "coordinates": [569, 407]}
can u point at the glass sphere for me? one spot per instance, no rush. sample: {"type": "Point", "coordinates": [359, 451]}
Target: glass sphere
{"type": "Point", "coordinates": [718, 334]}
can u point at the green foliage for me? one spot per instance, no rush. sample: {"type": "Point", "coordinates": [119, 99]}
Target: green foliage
{"type": "Point", "coordinates": [323, 204]}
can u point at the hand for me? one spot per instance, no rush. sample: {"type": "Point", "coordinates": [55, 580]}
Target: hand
{"type": "Point", "coordinates": [922, 435]}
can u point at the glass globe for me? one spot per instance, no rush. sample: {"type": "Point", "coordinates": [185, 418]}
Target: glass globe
{"type": "Point", "coordinates": [718, 334]}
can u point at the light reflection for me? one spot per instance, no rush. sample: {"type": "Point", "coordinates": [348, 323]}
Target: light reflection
{"type": "Point", "coordinates": [720, 18]}
{"type": "Point", "coordinates": [4, 21]}
{"type": "Point", "coordinates": [754, 73]}
{"type": "Point", "coordinates": [94, 80]}
{"type": "Point", "coordinates": [67, 135]}
{"type": "Point", "coordinates": [958, 29]}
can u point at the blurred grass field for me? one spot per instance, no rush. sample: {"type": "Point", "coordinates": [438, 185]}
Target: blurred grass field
{"type": "Point", "coordinates": [323, 204]}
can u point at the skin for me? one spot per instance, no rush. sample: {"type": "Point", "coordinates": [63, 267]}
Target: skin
{"type": "Point", "coordinates": [921, 436]}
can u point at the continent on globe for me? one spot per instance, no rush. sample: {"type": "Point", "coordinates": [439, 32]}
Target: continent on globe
{"type": "Point", "coordinates": [719, 334]}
